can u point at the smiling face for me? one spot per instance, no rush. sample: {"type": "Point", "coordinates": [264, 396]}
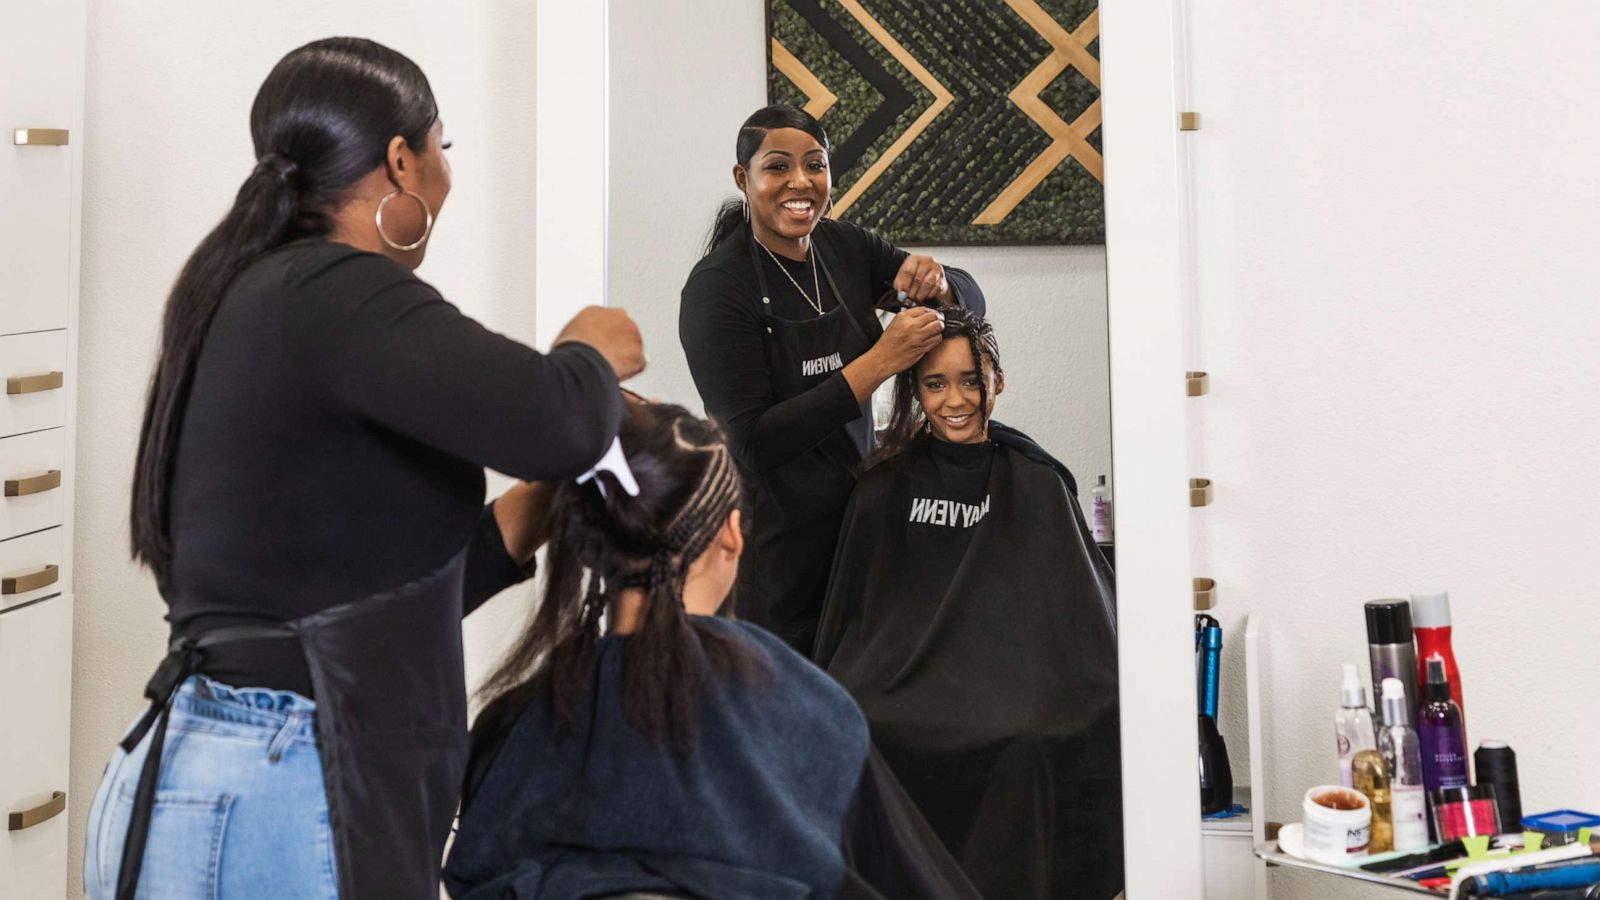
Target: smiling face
{"type": "Point", "coordinates": [947, 389]}
{"type": "Point", "coordinates": [787, 184]}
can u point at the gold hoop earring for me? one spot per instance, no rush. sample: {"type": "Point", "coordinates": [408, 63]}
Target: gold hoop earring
{"type": "Point", "coordinates": [427, 228]}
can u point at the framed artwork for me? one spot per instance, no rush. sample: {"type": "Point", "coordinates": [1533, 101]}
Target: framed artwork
{"type": "Point", "coordinates": [952, 121]}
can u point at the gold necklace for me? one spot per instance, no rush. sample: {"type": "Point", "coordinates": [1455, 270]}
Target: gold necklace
{"type": "Point", "coordinates": [815, 281]}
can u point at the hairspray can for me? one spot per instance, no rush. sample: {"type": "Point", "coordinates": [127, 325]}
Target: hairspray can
{"type": "Point", "coordinates": [1391, 653]}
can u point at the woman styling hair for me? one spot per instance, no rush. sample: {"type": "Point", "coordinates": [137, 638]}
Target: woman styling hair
{"type": "Point", "coordinates": [778, 325]}
{"type": "Point", "coordinates": [309, 495]}
{"type": "Point", "coordinates": [973, 619]}
{"type": "Point", "coordinates": [634, 742]}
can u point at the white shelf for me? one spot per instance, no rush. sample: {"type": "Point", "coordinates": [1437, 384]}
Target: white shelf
{"type": "Point", "coordinates": [1234, 824]}
{"type": "Point", "coordinates": [1275, 857]}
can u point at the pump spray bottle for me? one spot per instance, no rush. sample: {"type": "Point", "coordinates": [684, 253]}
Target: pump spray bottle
{"type": "Point", "coordinates": [1352, 726]}
{"type": "Point", "coordinates": [1444, 741]}
{"type": "Point", "coordinates": [1402, 753]}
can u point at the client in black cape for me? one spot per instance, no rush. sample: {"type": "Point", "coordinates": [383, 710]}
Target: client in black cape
{"type": "Point", "coordinates": [972, 617]}
{"type": "Point", "coordinates": [676, 753]}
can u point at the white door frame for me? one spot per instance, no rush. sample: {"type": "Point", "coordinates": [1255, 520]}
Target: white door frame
{"type": "Point", "coordinates": [571, 156]}
{"type": "Point", "coordinates": [1145, 182]}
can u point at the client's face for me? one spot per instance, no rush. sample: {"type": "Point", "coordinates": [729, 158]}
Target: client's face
{"type": "Point", "coordinates": [947, 388]}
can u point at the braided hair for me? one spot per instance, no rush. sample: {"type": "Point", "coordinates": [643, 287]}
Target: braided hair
{"type": "Point", "coordinates": [908, 422]}
{"type": "Point", "coordinates": [603, 541]}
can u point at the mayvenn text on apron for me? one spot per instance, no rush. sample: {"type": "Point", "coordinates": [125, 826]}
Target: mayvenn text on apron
{"type": "Point", "coordinates": [830, 363]}
{"type": "Point", "coordinates": [928, 511]}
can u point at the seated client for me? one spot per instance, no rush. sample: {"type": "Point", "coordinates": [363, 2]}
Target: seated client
{"type": "Point", "coordinates": [677, 752]}
{"type": "Point", "coordinates": [973, 619]}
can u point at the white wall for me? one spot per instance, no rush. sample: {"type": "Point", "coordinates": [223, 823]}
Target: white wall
{"type": "Point", "coordinates": [1395, 209]}
{"type": "Point", "coordinates": [167, 143]}
{"type": "Point", "coordinates": [685, 74]}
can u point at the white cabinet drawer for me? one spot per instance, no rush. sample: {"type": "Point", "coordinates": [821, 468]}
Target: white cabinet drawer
{"type": "Point", "coordinates": [31, 567]}
{"type": "Point", "coordinates": [27, 364]}
{"type": "Point", "coordinates": [32, 482]}
{"type": "Point", "coordinates": [37, 47]}
{"type": "Point", "coordinates": [35, 698]}
{"type": "Point", "coordinates": [34, 269]}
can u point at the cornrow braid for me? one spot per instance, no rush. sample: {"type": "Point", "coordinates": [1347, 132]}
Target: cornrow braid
{"type": "Point", "coordinates": [603, 542]}
{"type": "Point", "coordinates": [695, 525]}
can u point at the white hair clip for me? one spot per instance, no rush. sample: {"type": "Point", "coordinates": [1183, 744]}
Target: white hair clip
{"type": "Point", "coordinates": [616, 463]}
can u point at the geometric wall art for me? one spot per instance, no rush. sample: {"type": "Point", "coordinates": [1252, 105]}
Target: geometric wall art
{"type": "Point", "coordinates": [952, 121]}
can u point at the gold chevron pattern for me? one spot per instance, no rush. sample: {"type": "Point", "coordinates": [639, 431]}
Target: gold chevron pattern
{"type": "Point", "coordinates": [1067, 140]}
{"type": "Point", "coordinates": [818, 98]}
{"type": "Point", "coordinates": [941, 99]}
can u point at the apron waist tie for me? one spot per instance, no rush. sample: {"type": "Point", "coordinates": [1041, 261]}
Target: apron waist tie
{"type": "Point", "coordinates": [182, 660]}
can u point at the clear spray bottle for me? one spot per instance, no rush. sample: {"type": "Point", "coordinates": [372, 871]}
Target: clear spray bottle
{"type": "Point", "coordinates": [1402, 753]}
{"type": "Point", "coordinates": [1352, 726]}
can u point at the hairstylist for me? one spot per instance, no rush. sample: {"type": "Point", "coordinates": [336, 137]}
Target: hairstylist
{"type": "Point", "coordinates": [308, 494]}
{"type": "Point", "coordinates": [778, 325]}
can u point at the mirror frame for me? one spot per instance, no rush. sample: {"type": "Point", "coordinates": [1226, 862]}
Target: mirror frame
{"type": "Point", "coordinates": [1146, 222]}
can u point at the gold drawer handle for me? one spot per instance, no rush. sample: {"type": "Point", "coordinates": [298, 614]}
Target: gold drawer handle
{"type": "Point", "coordinates": [21, 584]}
{"type": "Point", "coordinates": [38, 484]}
{"type": "Point", "coordinates": [40, 814]}
{"type": "Point", "coordinates": [1205, 594]}
{"type": "Point", "coordinates": [33, 384]}
{"type": "Point", "coordinates": [1199, 492]}
{"type": "Point", "coordinates": [39, 137]}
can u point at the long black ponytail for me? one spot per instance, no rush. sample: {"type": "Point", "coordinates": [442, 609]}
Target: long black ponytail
{"type": "Point", "coordinates": [732, 217]}
{"type": "Point", "coordinates": [321, 121]}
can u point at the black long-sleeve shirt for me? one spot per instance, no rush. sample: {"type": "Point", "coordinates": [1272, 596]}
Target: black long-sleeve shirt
{"type": "Point", "coordinates": [781, 434]}
{"type": "Point", "coordinates": [334, 443]}
{"type": "Point", "coordinates": [719, 324]}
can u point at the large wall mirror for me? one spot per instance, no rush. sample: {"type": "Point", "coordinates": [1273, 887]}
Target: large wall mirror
{"type": "Point", "coordinates": [961, 589]}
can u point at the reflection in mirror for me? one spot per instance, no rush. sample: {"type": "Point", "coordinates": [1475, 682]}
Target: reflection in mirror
{"type": "Point", "coordinates": [888, 291]}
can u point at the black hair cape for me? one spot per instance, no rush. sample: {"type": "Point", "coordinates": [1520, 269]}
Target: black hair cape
{"type": "Point", "coordinates": [781, 798]}
{"type": "Point", "coordinates": [978, 634]}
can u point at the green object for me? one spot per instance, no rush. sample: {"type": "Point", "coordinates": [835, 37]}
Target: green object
{"type": "Point", "coordinates": [980, 144]}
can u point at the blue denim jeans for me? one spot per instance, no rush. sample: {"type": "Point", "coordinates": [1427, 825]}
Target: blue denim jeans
{"type": "Point", "coordinates": [240, 810]}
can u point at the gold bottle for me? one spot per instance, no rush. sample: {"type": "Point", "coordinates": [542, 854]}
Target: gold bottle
{"type": "Point", "coordinates": [1370, 776]}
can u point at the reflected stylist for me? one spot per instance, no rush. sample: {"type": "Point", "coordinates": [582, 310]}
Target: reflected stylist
{"type": "Point", "coordinates": [308, 493]}
{"type": "Point", "coordinates": [778, 325]}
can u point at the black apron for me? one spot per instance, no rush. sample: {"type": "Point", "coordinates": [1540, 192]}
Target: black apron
{"type": "Point", "coordinates": [976, 629]}
{"type": "Point", "coordinates": [797, 506]}
{"type": "Point", "coordinates": [391, 723]}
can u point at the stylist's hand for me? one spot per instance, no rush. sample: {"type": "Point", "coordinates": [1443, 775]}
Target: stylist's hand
{"type": "Point", "coordinates": [910, 335]}
{"type": "Point", "coordinates": [922, 279]}
{"type": "Point", "coordinates": [611, 332]}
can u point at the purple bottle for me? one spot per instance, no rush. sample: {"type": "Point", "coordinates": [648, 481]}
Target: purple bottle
{"type": "Point", "coordinates": [1444, 741]}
